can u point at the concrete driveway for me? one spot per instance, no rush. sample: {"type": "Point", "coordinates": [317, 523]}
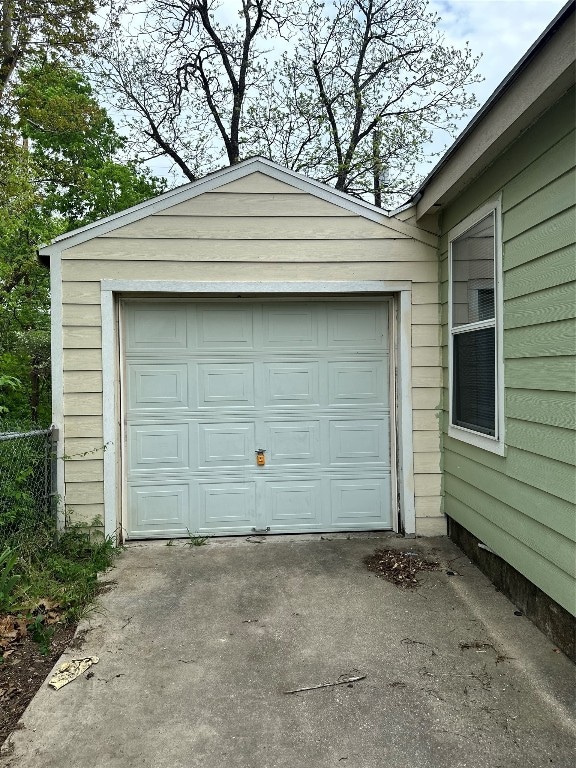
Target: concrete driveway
{"type": "Point", "coordinates": [198, 644]}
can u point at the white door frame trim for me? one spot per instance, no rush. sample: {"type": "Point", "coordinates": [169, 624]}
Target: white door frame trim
{"type": "Point", "coordinates": [111, 368]}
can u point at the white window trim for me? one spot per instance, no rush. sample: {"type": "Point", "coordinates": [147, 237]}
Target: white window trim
{"type": "Point", "coordinates": [494, 444]}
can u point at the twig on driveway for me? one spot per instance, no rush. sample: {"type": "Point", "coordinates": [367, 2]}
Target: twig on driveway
{"type": "Point", "coordinates": [353, 679]}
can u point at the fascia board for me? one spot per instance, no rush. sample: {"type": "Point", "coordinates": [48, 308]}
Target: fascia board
{"type": "Point", "coordinates": [547, 76]}
{"type": "Point", "coordinates": [359, 207]}
{"type": "Point", "coordinates": [147, 208]}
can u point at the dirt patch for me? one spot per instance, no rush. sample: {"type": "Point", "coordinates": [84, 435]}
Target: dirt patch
{"type": "Point", "coordinates": [24, 670]}
{"type": "Point", "coordinates": [401, 568]}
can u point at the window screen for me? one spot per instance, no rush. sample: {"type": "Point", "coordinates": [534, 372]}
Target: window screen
{"type": "Point", "coordinates": [474, 381]}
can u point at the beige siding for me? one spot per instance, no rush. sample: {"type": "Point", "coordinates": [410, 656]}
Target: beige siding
{"type": "Point", "coordinates": [241, 228]}
{"type": "Point", "coordinates": [256, 228]}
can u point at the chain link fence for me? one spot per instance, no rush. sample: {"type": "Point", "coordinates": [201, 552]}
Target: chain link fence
{"type": "Point", "coordinates": [27, 508]}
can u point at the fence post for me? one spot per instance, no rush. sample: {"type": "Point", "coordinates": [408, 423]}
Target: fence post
{"type": "Point", "coordinates": [57, 503]}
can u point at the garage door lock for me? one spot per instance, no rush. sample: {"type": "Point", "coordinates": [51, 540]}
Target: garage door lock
{"type": "Point", "coordinates": [260, 458]}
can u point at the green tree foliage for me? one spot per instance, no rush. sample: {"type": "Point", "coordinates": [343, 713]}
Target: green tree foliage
{"type": "Point", "coordinates": [32, 27]}
{"type": "Point", "coordinates": [75, 148]}
{"type": "Point", "coordinates": [24, 288]}
{"type": "Point", "coordinates": [61, 167]}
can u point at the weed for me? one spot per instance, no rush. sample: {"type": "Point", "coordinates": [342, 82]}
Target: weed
{"type": "Point", "coordinates": [41, 633]}
{"type": "Point", "coordinates": [8, 579]}
{"type": "Point", "coordinates": [61, 567]}
{"type": "Point", "coordinates": [170, 543]}
{"type": "Point", "coordinates": [194, 540]}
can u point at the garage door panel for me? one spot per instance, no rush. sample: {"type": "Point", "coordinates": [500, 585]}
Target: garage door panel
{"type": "Point", "coordinates": [294, 503]}
{"type": "Point", "coordinates": [226, 444]}
{"type": "Point", "coordinates": [292, 443]}
{"type": "Point", "coordinates": [226, 505]}
{"type": "Point", "coordinates": [159, 509]}
{"type": "Point", "coordinates": [157, 386]}
{"type": "Point", "coordinates": [362, 326]}
{"type": "Point", "coordinates": [157, 328]}
{"type": "Point", "coordinates": [224, 327]}
{"type": "Point", "coordinates": [358, 502]}
{"type": "Point", "coordinates": [290, 327]}
{"type": "Point", "coordinates": [358, 383]}
{"type": "Point", "coordinates": [291, 384]}
{"type": "Point", "coordinates": [359, 442]}
{"type": "Point", "coordinates": [226, 386]}
{"type": "Point", "coordinates": [154, 447]}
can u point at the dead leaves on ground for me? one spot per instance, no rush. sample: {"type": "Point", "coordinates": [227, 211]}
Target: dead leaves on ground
{"type": "Point", "coordinates": [401, 568]}
{"type": "Point", "coordinates": [13, 628]}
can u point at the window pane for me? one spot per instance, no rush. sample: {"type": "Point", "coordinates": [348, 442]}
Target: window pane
{"type": "Point", "coordinates": [474, 385]}
{"type": "Point", "coordinates": [473, 274]}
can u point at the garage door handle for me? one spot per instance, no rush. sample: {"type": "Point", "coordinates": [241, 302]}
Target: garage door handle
{"type": "Point", "coordinates": [261, 530]}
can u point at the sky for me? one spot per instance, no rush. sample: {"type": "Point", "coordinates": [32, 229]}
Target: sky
{"type": "Point", "coordinates": [500, 30]}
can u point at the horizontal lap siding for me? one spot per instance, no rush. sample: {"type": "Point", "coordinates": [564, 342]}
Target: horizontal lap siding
{"type": "Point", "coordinates": [254, 229]}
{"type": "Point", "coordinates": [522, 505]}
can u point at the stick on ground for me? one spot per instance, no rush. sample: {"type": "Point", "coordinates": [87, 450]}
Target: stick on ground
{"type": "Point", "coordinates": [353, 679]}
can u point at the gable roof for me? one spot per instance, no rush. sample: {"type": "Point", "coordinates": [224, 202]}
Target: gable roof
{"type": "Point", "coordinates": [217, 179]}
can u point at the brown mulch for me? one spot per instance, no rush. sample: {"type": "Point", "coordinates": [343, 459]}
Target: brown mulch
{"type": "Point", "coordinates": [24, 668]}
{"type": "Point", "coordinates": [401, 568]}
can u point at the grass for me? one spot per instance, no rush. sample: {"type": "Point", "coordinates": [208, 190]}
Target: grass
{"type": "Point", "coordinates": [47, 577]}
{"type": "Point", "coordinates": [194, 540]}
{"type": "Point", "coordinates": [50, 577]}
{"type": "Point", "coordinates": [66, 573]}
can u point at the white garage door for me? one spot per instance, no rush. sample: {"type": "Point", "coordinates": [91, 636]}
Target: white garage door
{"type": "Point", "coordinates": [208, 384]}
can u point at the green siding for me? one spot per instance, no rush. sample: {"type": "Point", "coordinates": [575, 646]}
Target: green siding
{"type": "Point", "coordinates": [554, 477]}
{"type": "Point", "coordinates": [544, 170]}
{"type": "Point", "coordinates": [547, 543]}
{"type": "Point", "coordinates": [545, 306]}
{"type": "Point", "coordinates": [541, 373]}
{"type": "Point", "coordinates": [549, 236]}
{"type": "Point", "coordinates": [553, 442]}
{"type": "Point", "coordinates": [554, 198]}
{"type": "Point", "coordinates": [548, 576]}
{"type": "Point", "coordinates": [534, 143]}
{"type": "Point", "coordinates": [523, 504]}
{"type": "Point", "coordinates": [546, 272]}
{"type": "Point", "coordinates": [543, 407]}
{"type": "Point", "coordinates": [556, 514]}
{"type": "Point", "coordinates": [545, 340]}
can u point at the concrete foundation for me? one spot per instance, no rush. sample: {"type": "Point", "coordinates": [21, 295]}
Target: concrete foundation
{"type": "Point", "coordinates": [550, 618]}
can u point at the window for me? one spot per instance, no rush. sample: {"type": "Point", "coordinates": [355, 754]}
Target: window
{"type": "Point", "coordinates": [476, 407]}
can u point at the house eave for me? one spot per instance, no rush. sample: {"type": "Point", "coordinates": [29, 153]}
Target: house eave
{"type": "Point", "coordinates": [543, 74]}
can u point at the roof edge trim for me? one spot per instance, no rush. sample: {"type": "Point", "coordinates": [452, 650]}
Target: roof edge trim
{"type": "Point", "coordinates": [494, 97]}
{"type": "Point", "coordinates": [213, 181]}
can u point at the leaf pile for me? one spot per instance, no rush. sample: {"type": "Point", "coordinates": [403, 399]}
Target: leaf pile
{"type": "Point", "coordinates": [12, 630]}
{"type": "Point", "coordinates": [399, 567]}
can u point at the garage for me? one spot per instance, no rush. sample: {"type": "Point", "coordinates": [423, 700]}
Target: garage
{"type": "Point", "coordinates": [247, 416]}
{"type": "Point", "coordinates": [251, 310]}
